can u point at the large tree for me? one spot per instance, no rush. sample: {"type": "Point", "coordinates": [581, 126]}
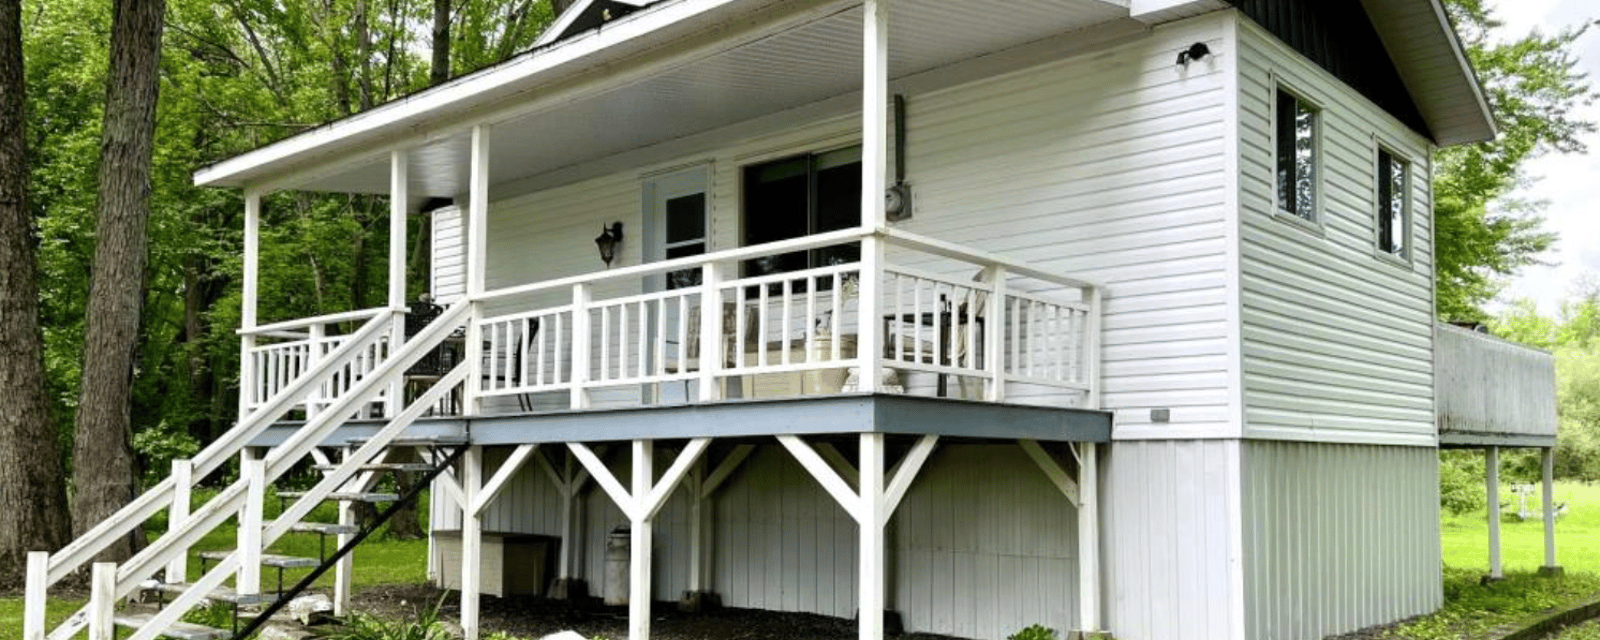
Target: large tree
{"type": "Point", "coordinates": [32, 492]}
{"type": "Point", "coordinates": [1533, 84]}
{"type": "Point", "coordinates": [103, 476]}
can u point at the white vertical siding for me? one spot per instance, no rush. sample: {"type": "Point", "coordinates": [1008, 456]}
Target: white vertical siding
{"type": "Point", "coordinates": [1337, 340]}
{"type": "Point", "coordinates": [982, 546]}
{"type": "Point", "coordinates": [1338, 537]}
{"type": "Point", "coordinates": [1170, 540]}
{"type": "Point", "coordinates": [448, 267]}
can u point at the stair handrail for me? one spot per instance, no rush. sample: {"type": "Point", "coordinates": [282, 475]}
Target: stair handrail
{"type": "Point", "coordinates": [144, 564]}
{"type": "Point", "coordinates": [83, 549]}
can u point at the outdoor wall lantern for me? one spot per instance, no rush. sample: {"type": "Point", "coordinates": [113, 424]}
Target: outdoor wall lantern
{"type": "Point", "coordinates": [608, 240]}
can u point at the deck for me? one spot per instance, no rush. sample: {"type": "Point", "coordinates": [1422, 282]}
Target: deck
{"type": "Point", "coordinates": [1492, 392]}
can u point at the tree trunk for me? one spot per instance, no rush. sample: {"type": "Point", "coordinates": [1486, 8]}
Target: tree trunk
{"type": "Point", "coordinates": [440, 70]}
{"type": "Point", "coordinates": [103, 476]}
{"type": "Point", "coordinates": [32, 483]}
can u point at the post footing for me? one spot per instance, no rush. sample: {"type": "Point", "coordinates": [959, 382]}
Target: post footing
{"type": "Point", "coordinates": [571, 589]}
{"type": "Point", "coordinates": [892, 624]}
{"type": "Point", "coordinates": [1549, 571]}
{"type": "Point", "coordinates": [699, 601]}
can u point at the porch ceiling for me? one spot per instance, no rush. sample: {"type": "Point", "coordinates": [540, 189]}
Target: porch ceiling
{"type": "Point", "coordinates": [799, 54]}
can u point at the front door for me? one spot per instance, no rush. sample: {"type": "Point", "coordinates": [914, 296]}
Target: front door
{"type": "Point", "coordinates": [677, 220]}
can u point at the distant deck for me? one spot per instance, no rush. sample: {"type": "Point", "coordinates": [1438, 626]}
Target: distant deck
{"type": "Point", "coordinates": [1492, 392]}
{"type": "Point", "coordinates": [838, 414]}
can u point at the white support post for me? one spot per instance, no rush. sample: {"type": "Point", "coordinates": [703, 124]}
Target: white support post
{"type": "Point", "coordinates": [1492, 462]}
{"type": "Point", "coordinates": [710, 333]}
{"type": "Point", "coordinates": [399, 198]}
{"type": "Point", "coordinates": [37, 595]}
{"type": "Point", "coordinates": [1088, 539]}
{"type": "Point", "coordinates": [247, 310]}
{"type": "Point", "coordinates": [873, 518]}
{"type": "Point", "coordinates": [251, 521]}
{"type": "Point", "coordinates": [994, 337]}
{"type": "Point", "coordinates": [697, 479]}
{"type": "Point", "coordinates": [1550, 566]}
{"type": "Point", "coordinates": [1091, 342]}
{"type": "Point", "coordinates": [471, 542]}
{"type": "Point", "coordinates": [182, 483]}
{"type": "Point", "coordinates": [102, 601]}
{"type": "Point", "coordinates": [477, 264]}
{"type": "Point", "coordinates": [874, 184]}
{"type": "Point", "coordinates": [344, 570]}
{"type": "Point", "coordinates": [642, 531]}
{"type": "Point", "coordinates": [569, 491]}
{"type": "Point", "coordinates": [581, 297]}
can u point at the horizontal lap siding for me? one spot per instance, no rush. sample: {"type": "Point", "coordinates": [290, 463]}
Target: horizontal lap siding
{"type": "Point", "coordinates": [1338, 537]}
{"type": "Point", "coordinates": [1169, 559]}
{"type": "Point", "coordinates": [1337, 341]}
{"type": "Point", "coordinates": [449, 264]}
{"type": "Point", "coordinates": [1107, 166]}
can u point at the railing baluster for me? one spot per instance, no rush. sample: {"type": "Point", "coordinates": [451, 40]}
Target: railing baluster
{"type": "Point", "coordinates": [834, 333]}
{"type": "Point", "coordinates": [683, 334]}
{"type": "Point", "coordinates": [605, 343]}
{"type": "Point", "coordinates": [972, 328]}
{"type": "Point", "coordinates": [644, 339]}
{"type": "Point", "coordinates": [738, 328]}
{"type": "Point", "coordinates": [555, 374]}
{"type": "Point", "coordinates": [783, 340]}
{"type": "Point", "coordinates": [761, 328]}
{"type": "Point", "coordinates": [622, 340]}
{"type": "Point", "coordinates": [811, 319]}
{"type": "Point", "coordinates": [659, 345]}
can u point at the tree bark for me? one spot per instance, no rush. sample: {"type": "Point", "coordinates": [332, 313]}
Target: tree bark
{"type": "Point", "coordinates": [33, 494]}
{"type": "Point", "coordinates": [439, 72]}
{"type": "Point", "coordinates": [103, 475]}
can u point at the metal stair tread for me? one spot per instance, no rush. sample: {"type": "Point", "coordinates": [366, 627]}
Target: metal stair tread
{"type": "Point", "coordinates": [384, 466]}
{"type": "Point", "coordinates": [346, 496]}
{"type": "Point", "coordinates": [322, 528]}
{"type": "Point", "coordinates": [221, 594]}
{"type": "Point", "coordinates": [269, 559]}
{"type": "Point", "coordinates": [181, 630]}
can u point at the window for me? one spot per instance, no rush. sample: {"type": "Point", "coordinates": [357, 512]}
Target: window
{"type": "Point", "coordinates": [1296, 130]}
{"type": "Point", "coordinates": [686, 235]}
{"type": "Point", "coordinates": [800, 196]}
{"type": "Point", "coordinates": [1394, 210]}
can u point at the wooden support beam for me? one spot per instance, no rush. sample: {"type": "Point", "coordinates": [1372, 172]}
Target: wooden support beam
{"type": "Point", "coordinates": [905, 472]}
{"type": "Point", "coordinates": [1549, 498]}
{"type": "Point", "coordinates": [1088, 539]}
{"type": "Point", "coordinates": [36, 596]}
{"type": "Point", "coordinates": [825, 475]}
{"type": "Point", "coordinates": [651, 503]}
{"type": "Point", "coordinates": [840, 464]}
{"type": "Point", "coordinates": [603, 477]}
{"type": "Point", "coordinates": [102, 601]}
{"type": "Point", "coordinates": [492, 488]}
{"type": "Point", "coordinates": [725, 468]}
{"type": "Point", "coordinates": [874, 513]}
{"type": "Point", "coordinates": [471, 542]}
{"type": "Point", "coordinates": [1052, 470]}
{"type": "Point", "coordinates": [643, 537]}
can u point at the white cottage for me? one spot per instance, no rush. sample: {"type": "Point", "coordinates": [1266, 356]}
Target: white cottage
{"type": "Point", "coordinates": [1106, 315]}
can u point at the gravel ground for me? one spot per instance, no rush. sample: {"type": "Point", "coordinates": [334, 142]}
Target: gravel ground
{"type": "Point", "coordinates": [533, 618]}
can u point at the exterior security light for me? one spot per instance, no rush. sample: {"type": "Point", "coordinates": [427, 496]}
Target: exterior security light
{"type": "Point", "coordinates": [608, 240]}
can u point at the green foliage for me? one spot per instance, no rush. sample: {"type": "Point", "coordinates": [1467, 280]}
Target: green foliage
{"type": "Point", "coordinates": [1460, 482]}
{"type": "Point", "coordinates": [217, 615]}
{"type": "Point", "coordinates": [1471, 608]}
{"type": "Point", "coordinates": [1574, 338]}
{"type": "Point", "coordinates": [360, 626]}
{"type": "Point", "coordinates": [1034, 632]}
{"type": "Point", "coordinates": [1533, 85]}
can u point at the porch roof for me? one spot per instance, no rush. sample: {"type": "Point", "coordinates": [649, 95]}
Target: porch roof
{"type": "Point", "coordinates": [677, 69]}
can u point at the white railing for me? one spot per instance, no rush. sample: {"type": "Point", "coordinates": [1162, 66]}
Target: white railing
{"type": "Point", "coordinates": [1044, 335]}
{"type": "Point", "coordinates": [276, 355]}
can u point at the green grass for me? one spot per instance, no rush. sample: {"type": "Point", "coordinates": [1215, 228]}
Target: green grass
{"type": "Point", "coordinates": [1587, 631]}
{"type": "Point", "coordinates": [1465, 538]}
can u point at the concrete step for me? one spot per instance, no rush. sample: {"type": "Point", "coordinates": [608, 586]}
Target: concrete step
{"type": "Point", "coordinates": [180, 630]}
{"type": "Point", "coordinates": [385, 466]}
{"type": "Point", "coordinates": [221, 594]}
{"type": "Point", "coordinates": [346, 496]}
{"type": "Point", "coordinates": [268, 560]}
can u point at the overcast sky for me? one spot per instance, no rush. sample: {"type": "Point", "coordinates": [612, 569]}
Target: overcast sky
{"type": "Point", "coordinates": [1570, 184]}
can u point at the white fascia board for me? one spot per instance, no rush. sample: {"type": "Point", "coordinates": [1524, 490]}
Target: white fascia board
{"type": "Point", "coordinates": [462, 94]}
{"type": "Point", "coordinates": [1473, 83]}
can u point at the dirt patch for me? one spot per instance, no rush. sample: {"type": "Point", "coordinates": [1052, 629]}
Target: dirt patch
{"type": "Point", "coordinates": [534, 617]}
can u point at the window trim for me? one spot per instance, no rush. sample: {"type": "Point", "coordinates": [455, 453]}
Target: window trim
{"type": "Point", "coordinates": [1407, 256]}
{"type": "Point", "coordinates": [1314, 224]}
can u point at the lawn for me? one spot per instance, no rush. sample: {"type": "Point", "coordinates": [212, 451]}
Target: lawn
{"type": "Point", "coordinates": [1465, 538]}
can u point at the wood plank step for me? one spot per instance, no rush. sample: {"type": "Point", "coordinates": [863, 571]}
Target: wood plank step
{"type": "Point", "coordinates": [221, 594]}
{"type": "Point", "coordinates": [346, 496]}
{"type": "Point", "coordinates": [180, 630]}
{"type": "Point", "coordinates": [386, 466]}
{"type": "Point", "coordinates": [322, 528]}
{"type": "Point", "coordinates": [268, 559]}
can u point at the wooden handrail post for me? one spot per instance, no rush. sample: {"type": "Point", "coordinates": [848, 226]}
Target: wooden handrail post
{"type": "Point", "coordinates": [1091, 340]}
{"type": "Point", "coordinates": [582, 295]}
{"type": "Point", "coordinates": [994, 336]}
{"type": "Point", "coordinates": [253, 470]}
{"type": "Point", "coordinates": [869, 330]}
{"type": "Point", "coordinates": [102, 601]}
{"type": "Point", "coordinates": [36, 595]}
{"type": "Point", "coordinates": [710, 332]}
{"type": "Point", "coordinates": [182, 484]}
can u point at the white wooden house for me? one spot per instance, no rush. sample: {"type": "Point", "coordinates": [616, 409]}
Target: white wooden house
{"type": "Point", "coordinates": [1146, 320]}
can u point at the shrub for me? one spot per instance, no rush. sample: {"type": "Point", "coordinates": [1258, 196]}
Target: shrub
{"type": "Point", "coordinates": [361, 626]}
{"type": "Point", "coordinates": [1035, 632]}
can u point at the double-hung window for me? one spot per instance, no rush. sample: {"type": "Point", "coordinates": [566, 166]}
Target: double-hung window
{"type": "Point", "coordinates": [1296, 133]}
{"type": "Point", "coordinates": [1394, 210]}
{"type": "Point", "coordinates": [800, 196]}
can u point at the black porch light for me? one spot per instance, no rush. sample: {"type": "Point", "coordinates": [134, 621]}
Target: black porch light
{"type": "Point", "coordinates": [608, 240]}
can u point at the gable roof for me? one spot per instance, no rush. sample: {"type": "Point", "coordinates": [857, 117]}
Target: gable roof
{"type": "Point", "coordinates": [583, 53]}
{"type": "Point", "coordinates": [586, 15]}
